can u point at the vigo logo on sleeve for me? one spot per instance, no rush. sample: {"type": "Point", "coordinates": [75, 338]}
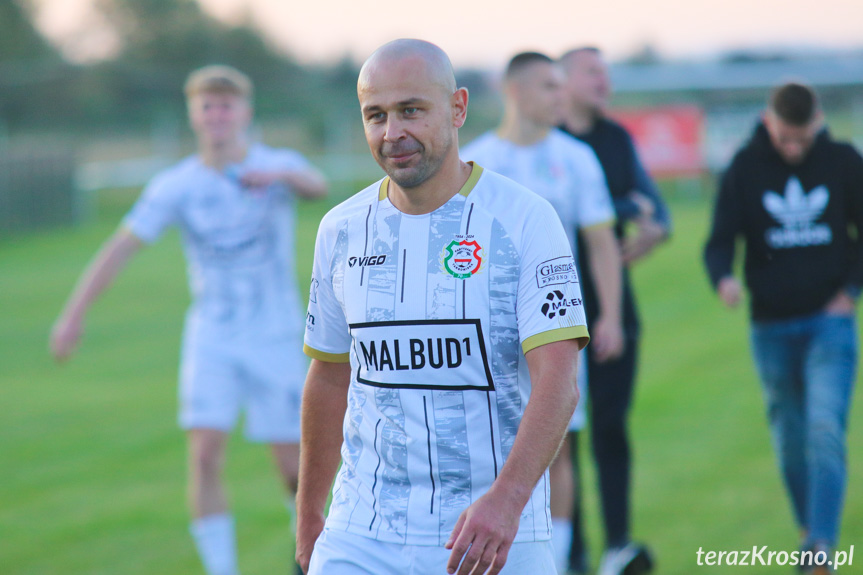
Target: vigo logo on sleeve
{"type": "Point", "coordinates": [422, 354]}
{"type": "Point", "coordinates": [556, 271]}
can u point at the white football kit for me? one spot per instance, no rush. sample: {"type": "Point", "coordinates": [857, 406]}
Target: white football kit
{"type": "Point", "coordinates": [243, 327]}
{"type": "Point", "coordinates": [567, 173]}
{"type": "Point", "coordinates": [434, 313]}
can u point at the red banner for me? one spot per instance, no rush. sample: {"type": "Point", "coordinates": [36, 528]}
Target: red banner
{"type": "Point", "coordinates": [668, 139]}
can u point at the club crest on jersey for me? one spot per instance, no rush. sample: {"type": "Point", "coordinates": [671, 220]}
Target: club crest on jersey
{"type": "Point", "coordinates": [462, 258]}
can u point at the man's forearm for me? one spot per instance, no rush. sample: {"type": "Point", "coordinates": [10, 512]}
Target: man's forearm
{"type": "Point", "coordinates": [625, 208]}
{"type": "Point", "coordinates": [645, 185]}
{"type": "Point", "coordinates": [306, 184]}
{"type": "Point", "coordinates": [553, 398]}
{"type": "Point", "coordinates": [101, 272]}
{"type": "Point", "coordinates": [606, 267]}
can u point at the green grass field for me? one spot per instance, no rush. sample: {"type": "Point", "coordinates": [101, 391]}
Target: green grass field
{"type": "Point", "coordinates": [93, 464]}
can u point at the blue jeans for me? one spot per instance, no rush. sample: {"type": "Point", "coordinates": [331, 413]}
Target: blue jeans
{"type": "Point", "coordinates": [807, 368]}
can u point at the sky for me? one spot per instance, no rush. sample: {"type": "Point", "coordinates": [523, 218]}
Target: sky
{"type": "Point", "coordinates": [487, 32]}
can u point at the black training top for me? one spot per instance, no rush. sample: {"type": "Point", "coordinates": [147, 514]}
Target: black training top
{"type": "Point", "coordinates": [624, 175]}
{"type": "Point", "coordinates": [795, 221]}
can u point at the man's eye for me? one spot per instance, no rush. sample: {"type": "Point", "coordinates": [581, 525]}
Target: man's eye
{"type": "Point", "coordinates": [376, 117]}
{"type": "Point", "coordinates": [411, 111]}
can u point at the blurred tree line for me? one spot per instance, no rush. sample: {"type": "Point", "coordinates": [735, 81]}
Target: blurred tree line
{"type": "Point", "coordinates": [161, 42]}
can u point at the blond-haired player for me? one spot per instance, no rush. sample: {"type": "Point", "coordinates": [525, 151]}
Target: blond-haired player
{"type": "Point", "coordinates": [233, 202]}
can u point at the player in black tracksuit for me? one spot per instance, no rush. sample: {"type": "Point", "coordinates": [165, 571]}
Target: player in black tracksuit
{"type": "Point", "coordinates": [610, 383]}
{"type": "Point", "coordinates": [793, 195]}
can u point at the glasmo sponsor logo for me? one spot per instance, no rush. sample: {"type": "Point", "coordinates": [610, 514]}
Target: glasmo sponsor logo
{"type": "Point", "coordinates": [556, 272]}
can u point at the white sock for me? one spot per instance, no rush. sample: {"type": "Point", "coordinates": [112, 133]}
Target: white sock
{"type": "Point", "coordinates": [561, 540]}
{"type": "Point", "coordinates": [217, 547]}
{"type": "Point", "coordinates": [291, 506]}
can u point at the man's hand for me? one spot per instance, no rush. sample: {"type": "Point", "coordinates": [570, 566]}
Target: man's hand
{"type": "Point", "coordinates": [65, 336]}
{"type": "Point", "coordinates": [841, 304]}
{"type": "Point", "coordinates": [730, 291]}
{"type": "Point", "coordinates": [650, 234]}
{"type": "Point", "coordinates": [308, 531]}
{"type": "Point", "coordinates": [483, 535]}
{"type": "Point", "coordinates": [646, 207]}
{"type": "Point", "coordinates": [259, 180]}
{"type": "Point", "coordinates": [607, 340]}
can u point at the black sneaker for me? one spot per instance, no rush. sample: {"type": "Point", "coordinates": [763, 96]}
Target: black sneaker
{"type": "Point", "coordinates": [632, 559]}
{"type": "Point", "coordinates": [811, 566]}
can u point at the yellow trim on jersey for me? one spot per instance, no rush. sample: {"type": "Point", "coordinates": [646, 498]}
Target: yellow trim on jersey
{"type": "Point", "coordinates": [468, 186]}
{"type": "Point", "coordinates": [598, 226]}
{"type": "Point", "coordinates": [324, 356]}
{"type": "Point", "coordinates": [475, 173]}
{"type": "Point", "coordinates": [578, 332]}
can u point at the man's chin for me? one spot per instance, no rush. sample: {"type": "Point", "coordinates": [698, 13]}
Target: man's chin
{"type": "Point", "coordinates": [406, 178]}
{"type": "Point", "coordinates": [793, 160]}
{"type": "Point", "coordinates": [220, 139]}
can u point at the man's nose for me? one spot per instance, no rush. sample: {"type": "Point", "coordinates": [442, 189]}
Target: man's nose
{"type": "Point", "coordinates": [395, 129]}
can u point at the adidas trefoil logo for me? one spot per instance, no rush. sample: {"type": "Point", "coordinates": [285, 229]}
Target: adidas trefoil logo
{"type": "Point", "coordinates": [797, 212]}
{"type": "Point", "coordinates": [796, 207]}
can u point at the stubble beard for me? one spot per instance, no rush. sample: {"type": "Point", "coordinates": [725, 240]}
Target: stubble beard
{"type": "Point", "coordinates": [414, 176]}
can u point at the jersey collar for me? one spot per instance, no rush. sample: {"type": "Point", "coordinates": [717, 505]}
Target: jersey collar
{"type": "Point", "coordinates": [468, 186]}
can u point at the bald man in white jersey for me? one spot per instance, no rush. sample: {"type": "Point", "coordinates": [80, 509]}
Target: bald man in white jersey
{"type": "Point", "coordinates": [528, 148]}
{"type": "Point", "coordinates": [234, 205]}
{"type": "Point", "coordinates": [444, 366]}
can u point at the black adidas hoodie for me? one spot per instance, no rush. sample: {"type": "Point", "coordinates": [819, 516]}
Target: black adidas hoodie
{"type": "Point", "coordinates": [802, 225]}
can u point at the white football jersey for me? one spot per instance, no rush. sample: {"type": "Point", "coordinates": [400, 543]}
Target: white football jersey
{"type": "Point", "coordinates": [561, 169]}
{"type": "Point", "coordinates": [238, 242]}
{"type": "Point", "coordinates": [435, 313]}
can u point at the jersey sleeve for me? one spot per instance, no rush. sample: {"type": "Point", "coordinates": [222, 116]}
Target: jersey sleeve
{"type": "Point", "coordinates": [550, 306]}
{"type": "Point", "coordinates": [594, 205]}
{"type": "Point", "coordinates": [327, 336]}
{"type": "Point", "coordinates": [156, 210]}
{"type": "Point", "coordinates": [292, 160]}
{"type": "Point", "coordinates": [719, 251]}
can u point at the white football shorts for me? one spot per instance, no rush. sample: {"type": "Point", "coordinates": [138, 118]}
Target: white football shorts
{"type": "Point", "coordinates": [264, 379]}
{"type": "Point", "coordinates": [341, 553]}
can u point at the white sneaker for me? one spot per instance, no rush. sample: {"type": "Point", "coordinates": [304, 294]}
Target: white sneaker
{"type": "Point", "coordinates": [632, 559]}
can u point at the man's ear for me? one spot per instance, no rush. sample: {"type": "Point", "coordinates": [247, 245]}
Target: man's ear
{"type": "Point", "coordinates": [818, 120]}
{"type": "Point", "coordinates": [769, 118]}
{"type": "Point", "coordinates": [458, 103]}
